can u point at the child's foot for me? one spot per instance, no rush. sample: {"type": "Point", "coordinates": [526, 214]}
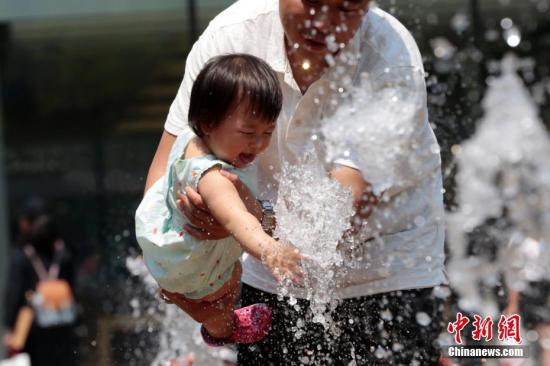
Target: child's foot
{"type": "Point", "coordinates": [252, 323]}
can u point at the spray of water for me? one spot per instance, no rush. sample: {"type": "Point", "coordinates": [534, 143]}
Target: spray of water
{"type": "Point", "coordinates": [503, 173]}
{"type": "Point", "coordinates": [313, 211]}
{"type": "Point", "coordinates": [374, 129]}
{"type": "Point", "coordinates": [179, 342]}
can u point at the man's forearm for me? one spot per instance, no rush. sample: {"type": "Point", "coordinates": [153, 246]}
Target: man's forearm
{"type": "Point", "coordinates": [158, 165]}
{"type": "Point", "coordinates": [364, 200]}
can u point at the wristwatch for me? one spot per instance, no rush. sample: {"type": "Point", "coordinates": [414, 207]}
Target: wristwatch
{"type": "Point", "coordinates": [268, 217]}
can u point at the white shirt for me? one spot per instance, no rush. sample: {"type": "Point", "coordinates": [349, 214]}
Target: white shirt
{"type": "Point", "coordinates": [410, 225]}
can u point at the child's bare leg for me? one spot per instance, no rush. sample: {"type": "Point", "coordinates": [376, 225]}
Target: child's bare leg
{"type": "Point", "coordinates": [214, 311]}
{"type": "Point", "coordinates": [220, 323]}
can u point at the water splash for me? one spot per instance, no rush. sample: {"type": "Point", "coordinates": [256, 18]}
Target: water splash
{"type": "Point", "coordinates": [374, 129]}
{"type": "Point", "coordinates": [504, 173]}
{"type": "Point", "coordinates": [313, 211]}
{"type": "Point", "coordinates": [180, 342]}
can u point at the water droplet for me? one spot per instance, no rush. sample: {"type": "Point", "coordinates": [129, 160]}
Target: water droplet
{"type": "Point", "coordinates": [420, 221]}
{"type": "Point", "coordinates": [423, 319]}
{"type": "Point", "coordinates": [434, 148]}
{"type": "Point", "coordinates": [292, 301]}
{"type": "Point", "coordinates": [332, 46]}
{"type": "Point", "coordinates": [506, 23]}
{"type": "Point", "coordinates": [386, 315]}
{"type": "Point", "coordinates": [442, 48]}
{"type": "Point", "coordinates": [330, 60]}
{"type": "Point", "coordinates": [380, 352]}
{"type": "Point", "coordinates": [512, 37]}
{"type": "Point", "coordinates": [460, 22]}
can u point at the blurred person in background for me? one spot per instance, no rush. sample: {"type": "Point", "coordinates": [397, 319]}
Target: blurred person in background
{"type": "Point", "coordinates": [529, 289]}
{"type": "Point", "coordinates": [40, 313]}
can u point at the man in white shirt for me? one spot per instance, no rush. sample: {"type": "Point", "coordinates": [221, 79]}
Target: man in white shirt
{"type": "Point", "coordinates": [389, 281]}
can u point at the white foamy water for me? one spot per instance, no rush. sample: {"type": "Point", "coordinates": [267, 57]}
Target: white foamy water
{"type": "Point", "coordinates": [376, 129]}
{"type": "Point", "coordinates": [313, 212]}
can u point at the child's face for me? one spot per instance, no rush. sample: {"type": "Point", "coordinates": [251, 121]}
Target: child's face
{"type": "Point", "coordinates": [239, 139]}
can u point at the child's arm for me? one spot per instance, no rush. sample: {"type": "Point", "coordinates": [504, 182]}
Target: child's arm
{"type": "Point", "coordinates": [226, 206]}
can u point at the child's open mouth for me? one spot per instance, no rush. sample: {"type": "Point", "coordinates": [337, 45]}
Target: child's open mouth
{"type": "Point", "coordinates": [246, 158]}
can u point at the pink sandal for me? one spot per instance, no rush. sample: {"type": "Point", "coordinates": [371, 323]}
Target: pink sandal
{"type": "Point", "coordinates": [252, 323]}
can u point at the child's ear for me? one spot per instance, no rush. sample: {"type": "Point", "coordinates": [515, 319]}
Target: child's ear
{"type": "Point", "coordinates": [206, 129]}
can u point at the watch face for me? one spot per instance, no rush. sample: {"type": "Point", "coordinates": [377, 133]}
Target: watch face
{"type": "Point", "coordinates": [267, 206]}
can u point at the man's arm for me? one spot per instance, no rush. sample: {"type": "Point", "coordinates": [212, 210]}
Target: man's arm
{"type": "Point", "coordinates": [176, 121]}
{"type": "Point", "coordinates": [364, 200]}
{"type": "Point", "coordinates": [158, 166]}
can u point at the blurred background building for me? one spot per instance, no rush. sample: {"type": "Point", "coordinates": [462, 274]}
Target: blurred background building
{"type": "Point", "coordinates": [86, 86]}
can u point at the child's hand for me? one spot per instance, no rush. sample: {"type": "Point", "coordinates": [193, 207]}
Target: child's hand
{"type": "Point", "coordinates": [284, 261]}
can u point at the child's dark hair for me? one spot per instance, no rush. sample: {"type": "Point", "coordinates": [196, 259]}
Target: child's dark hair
{"type": "Point", "coordinates": [229, 80]}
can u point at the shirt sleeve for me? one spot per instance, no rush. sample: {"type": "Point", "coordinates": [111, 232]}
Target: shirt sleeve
{"type": "Point", "coordinates": [206, 47]}
{"type": "Point", "coordinates": [395, 146]}
{"type": "Point", "coordinates": [202, 165]}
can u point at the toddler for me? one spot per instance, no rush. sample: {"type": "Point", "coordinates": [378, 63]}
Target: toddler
{"type": "Point", "coordinates": [234, 105]}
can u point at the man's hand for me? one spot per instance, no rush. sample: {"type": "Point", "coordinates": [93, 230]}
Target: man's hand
{"type": "Point", "coordinates": [203, 225]}
{"type": "Point", "coordinates": [364, 200]}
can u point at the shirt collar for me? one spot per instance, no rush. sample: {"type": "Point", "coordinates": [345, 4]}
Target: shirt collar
{"type": "Point", "coordinates": [279, 62]}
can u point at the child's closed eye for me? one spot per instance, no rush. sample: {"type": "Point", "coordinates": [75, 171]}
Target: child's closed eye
{"type": "Point", "coordinates": [248, 133]}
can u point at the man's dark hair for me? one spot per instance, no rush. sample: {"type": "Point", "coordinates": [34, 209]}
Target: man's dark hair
{"type": "Point", "coordinates": [231, 80]}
